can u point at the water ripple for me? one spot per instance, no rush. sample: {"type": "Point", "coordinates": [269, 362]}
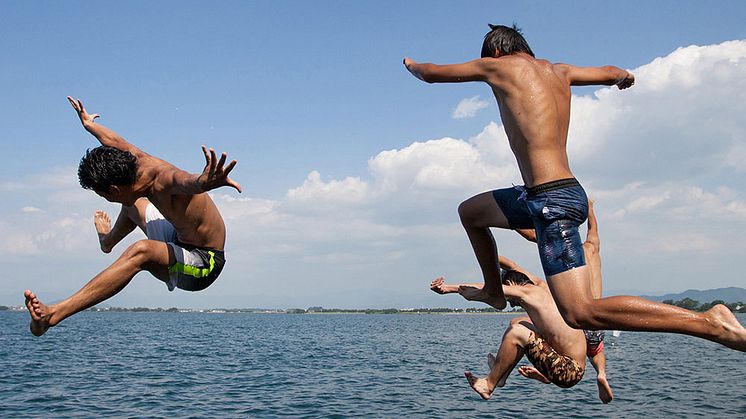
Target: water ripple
{"type": "Point", "coordinates": [167, 365]}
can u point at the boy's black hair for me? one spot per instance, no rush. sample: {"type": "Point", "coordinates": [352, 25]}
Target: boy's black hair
{"type": "Point", "coordinates": [104, 166]}
{"type": "Point", "coordinates": [506, 40]}
{"type": "Point", "coordinates": [511, 277]}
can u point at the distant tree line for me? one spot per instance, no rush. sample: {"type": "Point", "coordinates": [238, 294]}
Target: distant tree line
{"type": "Point", "coordinates": [694, 305]}
{"type": "Point", "coordinates": [135, 309]}
{"type": "Point", "coordinates": [394, 310]}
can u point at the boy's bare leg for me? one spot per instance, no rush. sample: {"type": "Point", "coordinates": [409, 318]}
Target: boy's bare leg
{"type": "Point", "coordinates": [478, 214]}
{"type": "Point", "coordinates": [150, 255]}
{"type": "Point", "coordinates": [516, 337]}
{"type": "Point", "coordinates": [604, 389]}
{"type": "Point", "coordinates": [571, 292]}
{"type": "Point", "coordinates": [525, 370]}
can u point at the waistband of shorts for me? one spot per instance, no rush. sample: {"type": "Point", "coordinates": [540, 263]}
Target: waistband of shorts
{"type": "Point", "coordinates": [551, 186]}
{"type": "Point", "coordinates": [191, 247]}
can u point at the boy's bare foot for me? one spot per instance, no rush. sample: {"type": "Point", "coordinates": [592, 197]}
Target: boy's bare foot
{"type": "Point", "coordinates": [438, 285]}
{"type": "Point", "coordinates": [479, 385]}
{"type": "Point", "coordinates": [103, 226]}
{"type": "Point", "coordinates": [731, 334]}
{"type": "Point", "coordinates": [533, 373]}
{"type": "Point", "coordinates": [476, 293]}
{"type": "Point", "coordinates": [604, 389]}
{"type": "Point", "coordinates": [39, 314]}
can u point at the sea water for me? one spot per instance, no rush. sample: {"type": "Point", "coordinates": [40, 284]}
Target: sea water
{"type": "Point", "coordinates": [336, 365]}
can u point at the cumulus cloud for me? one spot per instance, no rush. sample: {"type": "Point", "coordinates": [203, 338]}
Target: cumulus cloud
{"type": "Point", "coordinates": [349, 190]}
{"type": "Point", "coordinates": [682, 119]}
{"type": "Point", "coordinates": [16, 241]}
{"type": "Point", "coordinates": [468, 108]}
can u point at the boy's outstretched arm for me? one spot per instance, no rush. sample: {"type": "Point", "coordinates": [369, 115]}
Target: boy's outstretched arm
{"type": "Point", "coordinates": [214, 175]}
{"type": "Point", "coordinates": [607, 75]}
{"type": "Point", "coordinates": [476, 70]}
{"type": "Point", "coordinates": [104, 135]}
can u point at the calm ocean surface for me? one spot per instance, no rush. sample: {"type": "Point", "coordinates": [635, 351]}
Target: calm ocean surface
{"type": "Point", "coordinates": [326, 365]}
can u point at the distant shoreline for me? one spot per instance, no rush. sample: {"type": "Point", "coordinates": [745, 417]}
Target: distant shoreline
{"type": "Point", "coordinates": [686, 303]}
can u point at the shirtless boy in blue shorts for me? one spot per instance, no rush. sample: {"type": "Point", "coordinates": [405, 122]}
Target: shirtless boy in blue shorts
{"type": "Point", "coordinates": [533, 96]}
{"type": "Point", "coordinates": [186, 234]}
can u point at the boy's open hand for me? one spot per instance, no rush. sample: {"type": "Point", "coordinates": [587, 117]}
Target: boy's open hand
{"type": "Point", "coordinates": [85, 117]}
{"type": "Point", "coordinates": [408, 64]}
{"type": "Point", "coordinates": [215, 175]}
{"type": "Point", "coordinates": [626, 82]}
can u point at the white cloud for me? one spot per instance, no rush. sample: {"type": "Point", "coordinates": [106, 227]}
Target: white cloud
{"type": "Point", "coordinates": [349, 190]}
{"type": "Point", "coordinates": [468, 108]}
{"type": "Point", "coordinates": [31, 209]}
{"type": "Point", "coordinates": [443, 164]}
{"type": "Point", "coordinates": [16, 242]}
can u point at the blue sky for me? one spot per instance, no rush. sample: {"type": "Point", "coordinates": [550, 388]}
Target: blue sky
{"type": "Point", "coordinates": [307, 95]}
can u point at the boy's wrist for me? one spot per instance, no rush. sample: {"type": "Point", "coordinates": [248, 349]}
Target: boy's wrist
{"type": "Point", "coordinates": [622, 78]}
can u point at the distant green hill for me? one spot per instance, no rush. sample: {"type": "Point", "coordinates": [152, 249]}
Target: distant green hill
{"type": "Point", "coordinates": [729, 295]}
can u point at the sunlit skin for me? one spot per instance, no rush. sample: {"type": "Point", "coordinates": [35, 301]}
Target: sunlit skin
{"type": "Point", "coordinates": [533, 96]}
{"type": "Point", "coordinates": [180, 196]}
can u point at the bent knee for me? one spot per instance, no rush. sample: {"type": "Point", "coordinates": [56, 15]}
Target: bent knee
{"type": "Point", "coordinates": [518, 333]}
{"type": "Point", "coordinates": [471, 213]}
{"type": "Point", "coordinates": [140, 251]}
{"type": "Point", "coordinates": [466, 211]}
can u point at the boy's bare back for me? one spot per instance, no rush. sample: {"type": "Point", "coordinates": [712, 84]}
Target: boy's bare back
{"type": "Point", "coordinates": [195, 217]}
{"type": "Point", "coordinates": [534, 100]}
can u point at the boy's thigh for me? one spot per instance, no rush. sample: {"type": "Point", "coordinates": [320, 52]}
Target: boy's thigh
{"type": "Point", "coordinates": [501, 208]}
{"type": "Point", "coordinates": [157, 257]}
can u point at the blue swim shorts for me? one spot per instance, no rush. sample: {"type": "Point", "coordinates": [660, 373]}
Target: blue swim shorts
{"type": "Point", "coordinates": [554, 210]}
